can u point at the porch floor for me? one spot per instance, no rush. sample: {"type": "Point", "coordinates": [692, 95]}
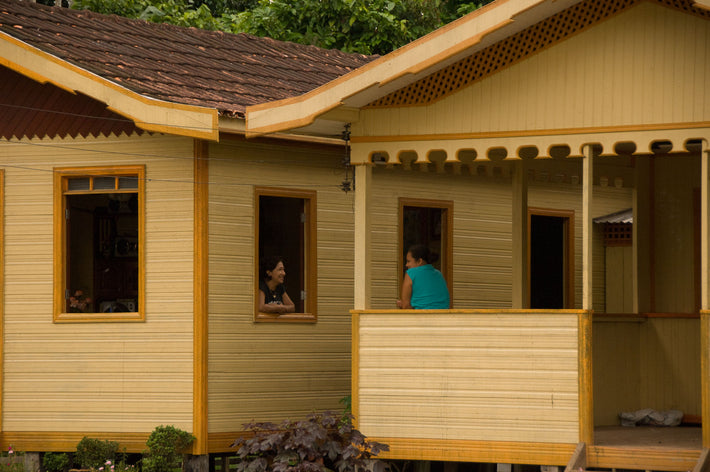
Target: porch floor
{"type": "Point", "coordinates": [646, 448]}
{"type": "Point", "coordinates": [681, 437]}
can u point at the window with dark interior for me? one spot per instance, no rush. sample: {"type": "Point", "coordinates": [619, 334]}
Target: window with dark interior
{"type": "Point", "coordinates": [98, 244]}
{"type": "Point", "coordinates": [287, 228]}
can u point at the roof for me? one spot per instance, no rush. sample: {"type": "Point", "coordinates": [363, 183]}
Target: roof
{"type": "Point", "coordinates": [624, 216]}
{"type": "Point", "coordinates": [482, 43]}
{"type": "Point", "coordinates": [171, 64]}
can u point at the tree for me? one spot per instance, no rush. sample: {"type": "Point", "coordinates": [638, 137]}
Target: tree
{"type": "Point", "coordinates": [364, 26]}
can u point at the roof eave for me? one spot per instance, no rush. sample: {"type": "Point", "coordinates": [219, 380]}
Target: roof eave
{"type": "Point", "coordinates": [403, 66]}
{"type": "Point", "coordinates": [147, 113]}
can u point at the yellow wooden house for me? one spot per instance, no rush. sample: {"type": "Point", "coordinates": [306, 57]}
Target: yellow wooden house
{"type": "Point", "coordinates": [497, 141]}
{"type": "Point", "coordinates": [134, 214]}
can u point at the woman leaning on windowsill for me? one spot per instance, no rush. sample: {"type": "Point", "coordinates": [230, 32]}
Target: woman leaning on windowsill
{"type": "Point", "coordinates": [272, 292]}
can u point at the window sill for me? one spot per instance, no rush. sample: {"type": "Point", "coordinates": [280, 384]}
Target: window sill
{"type": "Point", "coordinates": [98, 317]}
{"type": "Point", "coordinates": [285, 318]}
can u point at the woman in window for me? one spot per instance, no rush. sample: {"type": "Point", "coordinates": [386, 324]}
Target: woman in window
{"type": "Point", "coordinates": [272, 293]}
{"type": "Point", "coordinates": [423, 287]}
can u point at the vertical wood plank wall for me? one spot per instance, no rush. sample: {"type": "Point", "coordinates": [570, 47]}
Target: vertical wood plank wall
{"type": "Point", "coordinates": [273, 371]}
{"type": "Point", "coordinates": [98, 377]}
{"type": "Point", "coordinates": [584, 70]}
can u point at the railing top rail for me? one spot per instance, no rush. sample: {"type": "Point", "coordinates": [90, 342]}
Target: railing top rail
{"type": "Point", "coordinates": [472, 311]}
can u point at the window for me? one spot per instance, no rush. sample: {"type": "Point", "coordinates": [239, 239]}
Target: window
{"type": "Point", "coordinates": [427, 222]}
{"type": "Point", "coordinates": [286, 227]}
{"type": "Point", "coordinates": [98, 242]}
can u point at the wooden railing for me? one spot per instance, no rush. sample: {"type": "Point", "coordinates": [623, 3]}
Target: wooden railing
{"type": "Point", "coordinates": [470, 375]}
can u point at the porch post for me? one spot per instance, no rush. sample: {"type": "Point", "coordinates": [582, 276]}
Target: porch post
{"type": "Point", "coordinates": [586, 397]}
{"type": "Point", "coordinates": [520, 235]}
{"type": "Point", "coordinates": [363, 181]}
{"type": "Point", "coordinates": [642, 235]}
{"type": "Point", "coordinates": [588, 180]}
{"type": "Point", "coordinates": [704, 294]}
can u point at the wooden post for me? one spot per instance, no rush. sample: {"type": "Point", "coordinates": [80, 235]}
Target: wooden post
{"type": "Point", "coordinates": [642, 236]}
{"type": "Point", "coordinates": [363, 258]}
{"type": "Point", "coordinates": [520, 235]}
{"type": "Point", "coordinates": [704, 294]}
{"type": "Point", "coordinates": [200, 297]}
{"type": "Point", "coordinates": [586, 402]}
{"type": "Point", "coordinates": [587, 198]}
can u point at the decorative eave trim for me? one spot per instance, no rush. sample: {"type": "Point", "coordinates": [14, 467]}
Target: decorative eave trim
{"type": "Point", "coordinates": [147, 113]}
{"type": "Point", "coordinates": [445, 44]}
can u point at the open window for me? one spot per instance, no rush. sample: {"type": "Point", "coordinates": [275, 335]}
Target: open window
{"type": "Point", "coordinates": [286, 227]}
{"type": "Point", "coordinates": [98, 244]}
{"type": "Point", "coordinates": [427, 222]}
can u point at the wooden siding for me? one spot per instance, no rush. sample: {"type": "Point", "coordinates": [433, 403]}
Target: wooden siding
{"type": "Point", "coordinates": [674, 249]}
{"type": "Point", "coordinates": [482, 230]}
{"type": "Point", "coordinates": [645, 363]}
{"type": "Point", "coordinates": [273, 371]}
{"type": "Point", "coordinates": [643, 66]}
{"type": "Point", "coordinates": [97, 377]}
{"type": "Point", "coordinates": [619, 273]}
{"type": "Point", "coordinates": [505, 376]}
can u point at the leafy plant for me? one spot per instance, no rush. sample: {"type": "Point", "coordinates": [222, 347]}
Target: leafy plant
{"type": "Point", "coordinates": [322, 442]}
{"type": "Point", "coordinates": [92, 453]}
{"type": "Point", "coordinates": [56, 462]}
{"type": "Point", "coordinates": [14, 461]}
{"type": "Point", "coordinates": [166, 446]}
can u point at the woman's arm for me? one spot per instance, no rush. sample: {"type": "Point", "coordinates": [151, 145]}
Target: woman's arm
{"type": "Point", "coordinates": [289, 306]}
{"type": "Point", "coordinates": [406, 297]}
{"type": "Point", "coordinates": [268, 307]}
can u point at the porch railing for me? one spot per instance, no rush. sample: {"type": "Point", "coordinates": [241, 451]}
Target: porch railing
{"type": "Point", "coordinates": [470, 375]}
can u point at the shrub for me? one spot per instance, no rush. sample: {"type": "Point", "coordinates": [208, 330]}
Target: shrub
{"type": "Point", "coordinates": [56, 462]}
{"type": "Point", "coordinates": [93, 453]}
{"type": "Point", "coordinates": [166, 446]}
{"type": "Point", "coordinates": [322, 442]}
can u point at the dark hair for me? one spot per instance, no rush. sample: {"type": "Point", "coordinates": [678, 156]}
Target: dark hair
{"type": "Point", "coordinates": [420, 251]}
{"type": "Point", "coordinates": [268, 263]}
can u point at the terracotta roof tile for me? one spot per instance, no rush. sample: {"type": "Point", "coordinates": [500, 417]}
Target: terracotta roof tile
{"type": "Point", "coordinates": [183, 65]}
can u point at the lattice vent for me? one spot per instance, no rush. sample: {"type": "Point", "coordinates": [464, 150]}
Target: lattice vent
{"type": "Point", "coordinates": [618, 234]}
{"type": "Point", "coordinates": [512, 50]}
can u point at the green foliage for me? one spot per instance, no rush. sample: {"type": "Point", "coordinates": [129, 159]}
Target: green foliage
{"type": "Point", "coordinates": [56, 462]}
{"type": "Point", "coordinates": [93, 453]}
{"type": "Point", "coordinates": [322, 442]}
{"type": "Point", "coordinates": [364, 26]}
{"type": "Point", "coordinates": [166, 445]}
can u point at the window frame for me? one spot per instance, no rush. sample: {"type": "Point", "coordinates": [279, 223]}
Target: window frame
{"type": "Point", "coordinates": [447, 240]}
{"type": "Point", "coordinates": [310, 248]}
{"type": "Point", "coordinates": [61, 178]}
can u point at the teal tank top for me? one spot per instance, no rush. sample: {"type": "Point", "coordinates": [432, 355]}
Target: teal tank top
{"type": "Point", "coordinates": [429, 290]}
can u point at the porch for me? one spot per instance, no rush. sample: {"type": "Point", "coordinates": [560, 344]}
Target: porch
{"type": "Point", "coordinates": [498, 386]}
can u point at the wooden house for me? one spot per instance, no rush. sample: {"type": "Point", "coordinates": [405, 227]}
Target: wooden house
{"type": "Point", "coordinates": [134, 213]}
{"type": "Point", "coordinates": [497, 140]}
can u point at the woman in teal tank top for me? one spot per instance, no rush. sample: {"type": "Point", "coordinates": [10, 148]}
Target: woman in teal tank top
{"type": "Point", "coordinates": [423, 287]}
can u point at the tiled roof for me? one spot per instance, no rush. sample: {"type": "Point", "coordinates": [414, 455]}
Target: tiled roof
{"type": "Point", "coordinates": [183, 65]}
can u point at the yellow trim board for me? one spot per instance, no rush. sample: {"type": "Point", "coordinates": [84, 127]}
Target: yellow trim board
{"type": "Point", "coordinates": [384, 75]}
{"type": "Point", "coordinates": [66, 441]}
{"type": "Point", "coordinates": [476, 451]}
{"type": "Point", "coordinates": [147, 113]}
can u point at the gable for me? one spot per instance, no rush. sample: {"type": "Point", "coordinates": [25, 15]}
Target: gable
{"type": "Point", "coordinates": [29, 109]}
{"type": "Point", "coordinates": [646, 66]}
{"type": "Point", "coordinates": [516, 48]}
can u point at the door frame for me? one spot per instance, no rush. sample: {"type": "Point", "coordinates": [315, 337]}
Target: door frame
{"type": "Point", "coordinates": [568, 236]}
